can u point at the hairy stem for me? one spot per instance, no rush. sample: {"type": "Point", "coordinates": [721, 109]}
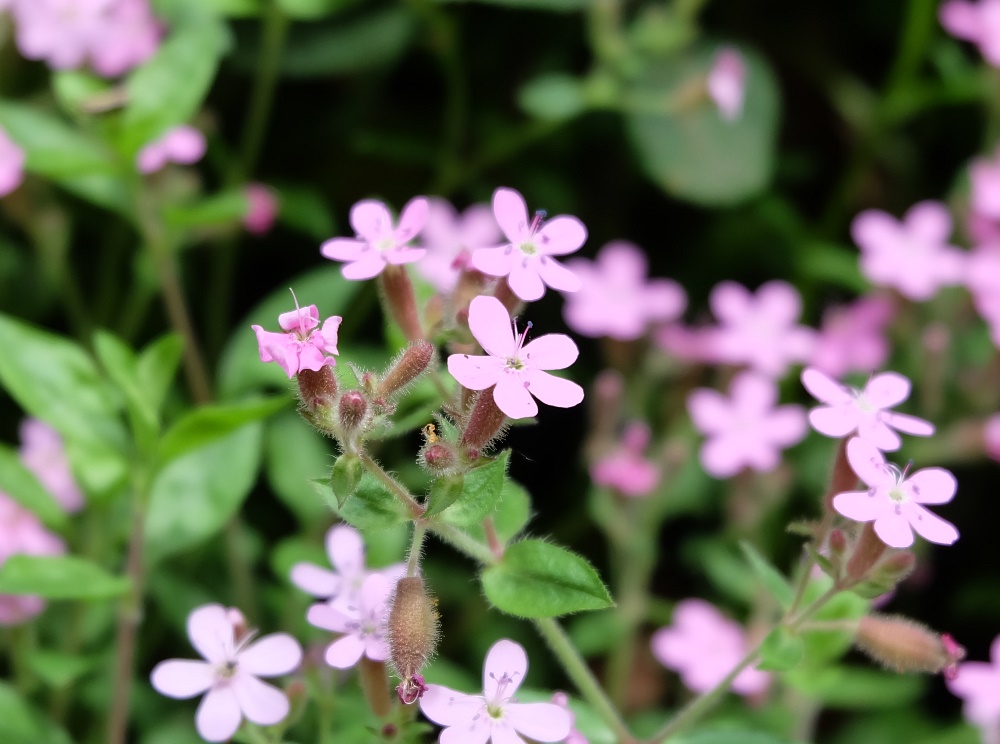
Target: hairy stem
{"type": "Point", "coordinates": [416, 547]}
{"type": "Point", "coordinates": [395, 487]}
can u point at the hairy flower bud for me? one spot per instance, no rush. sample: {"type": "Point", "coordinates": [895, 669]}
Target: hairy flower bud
{"type": "Point", "coordinates": [886, 574]}
{"type": "Point", "coordinates": [437, 457]}
{"type": "Point", "coordinates": [352, 409]}
{"type": "Point", "coordinates": [412, 363]}
{"type": "Point", "coordinates": [345, 477]}
{"type": "Point", "coordinates": [413, 632]}
{"type": "Point", "coordinates": [485, 422]}
{"type": "Point", "coordinates": [867, 551]}
{"type": "Point", "coordinates": [317, 390]}
{"type": "Point", "coordinates": [903, 645]}
{"type": "Point", "coordinates": [398, 297]}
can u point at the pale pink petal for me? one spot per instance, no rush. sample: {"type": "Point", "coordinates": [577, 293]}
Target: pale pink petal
{"type": "Point", "coordinates": [491, 326]}
{"type": "Point", "coordinates": [503, 733]}
{"type": "Point", "coordinates": [181, 679]}
{"type": "Point", "coordinates": [368, 266]}
{"type": "Point", "coordinates": [329, 618]}
{"type": "Point", "coordinates": [343, 249]}
{"type": "Point", "coordinates": [475, 372]}
{"type": "Point", "coordinates": [929, 525]}
{"type": "Point", "coordinates": [753, 392]}
{"type": "Point", "coordinates": [868, 462]}
{"type": "Point", "coordinates": [346, 549]}
{"type": "Point", "coordinates": [664, 300]}
{"type": "Point", "coordinates": [412, 220]}
{"type": "Point", "coordinates": [834, 422]}
{"type": "Point", "coordinates": [995, 654]}
{"type": "Point", "coordinates": [730, 301]}
{"type": "Point", "coordinates": [320, 582]}
{"type": "Point", "coordinates": [271, 655]}
{"type": "Point", "coordinates": [861, 506]}
{"type": "Point", "coordinates": [495, 261]}
{"type": "Point", "coordinates": [539, 721]}
{"type": "Point", "coordinates": [525, 281]}
{"type": "Point", "coordinates": [345, 652]}
{"type": "Point", "coordinates": [894, 530]}
{"type": "Point", "coordinates": [556, 275]}
{"type": "Point", "coordinates": [961, 19]}
{"type": "Point", "coordinates": [973, 678]}
{"type": "Point", "coordinates": [875, 431]}
{"type": "Point", "coordinates": [720, 458]}
{"type": "Point", "coordinates": [710, 410]}
{"type": "Point", "coordinates": [513, 398]}
{"type": "Point", "coordinates": [184, 144]}
{"type": "Point", "coordinates": [219, 715]}
{"type": "Point", "coordinates": [932, 486]}
{"type": "Point", "coordinates": [787, 425]}
{"type": "Point", "coordinates": [552, 390]}
{"type": "Point", "coordinates": [211, 633]}
{"type": "Point", "coordinates": [375, 591]}
{"type": "Point", "coordinates": [329, 333]}
{"type": "Point", "coordinates": [779, 301]}
{"type": "Point", "coordinates": [873, 229]}
{"type": "Point", "coordinates": [908, 424]}
{"type": "Point", "coordinates": [475, 732]}
{"type": "Point", "coordinates": [505, 659]}
{"type": "Point", "coordinates": [552, 351]}
{"type": "Point", "coordinates": [401, 256]}
{"type": "Point", "coordinates": [929, 221]}
{"type": "Point", "coordinates": [377, 647]}
{"type": "Point", "coordinates": [887, 389]}
{"type": "Point", "coordinates": [561, 235]}
{"type": "Point", "coordinates": [511, 213]}
{"type": "Point", "coordinates": [302, 319]}
{"type": "Point", "coordinates": [270, 345]}
{"type": "Point", "coordinates": [260, 702]}
{"type": "Point", "coordinates": [371, 220]}
{"type": "Point", "coordinates": [823, 388]}
{"type": "Point", "coordinates": [446, 707]}
{"type": "Point", "coordinates": [311, 358]}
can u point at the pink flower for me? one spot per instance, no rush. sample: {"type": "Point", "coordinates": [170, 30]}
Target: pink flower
{"type": "Point", "coordinates": [128, 37]}
{"type": "Point", "coordinates": [616, 299]}
{"type": "Point", "coordinates": [745, 430]}
{"type": "Point", "coordinates": [22, 533]}
{"type": "Point", "coordinates": [262, 208]}
{"type": "Point", "coordinates": [450, 241]}
{"type": "Point", "coordinates": [982, 277]}
{"type": "Point", "coordinates": [894, 501]}
{"type": "Point", "coordinates": [229, 674]}
{"type": "Point", "coordinates": [978, 684]}
{"type": "Point", "coordinates": [42, 452]}
{"type": "Point", "coordinates": [527, 260]}
{"type": "Point", "coordinates": [913, 255]}
{"type": "Point", "coordinates": [11, 164]}
{"type": "Point", "coordinates": [340, 587]}
{"type": "Point", "coordinates": [575, 737]}
{"type": "Point", "coordinates": [760, 330]}
{"type": "Point", "coordinates": [303, 345]}
{"type": "Point", "coordinates": [379, 241]}
{"type": "Point", "coordinates": [852, 337]}
{"type": "Point", "coordinates": [703, 647]}
{"type": "Point", "coordinates": [494, 716]}
{"type": "Point", "coordinates": [984, 178]}
{"type": "Point", "coordinates": [363, 624]}
{"type": "Point", "coordinates": [978, 23]}
{"type": "Point", "coordinates": [183, 144]}
{"type": "Point", "coordinates": [726, 82]}
{"type": "Point", "coordinates": [688, 343]}
{"type": "Point", "coordinates": [866, 412]}
{"type": "Point", "coordinates": [515, 370]}
{"type": "Point", "coordinates": [991, 437]}
{"type": "Point", "coordinates": [626, 470]}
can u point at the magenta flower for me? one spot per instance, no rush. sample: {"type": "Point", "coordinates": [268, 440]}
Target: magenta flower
{"type": "Point", "coordinates": [515, 370]}
{"type": "Point", "coordinates": [379, 241]}
{"type": "Point", "coordinates": [703, 647]}
{"type": "Point", "coordinates": [494, 716]}
{"type": "Point", "coordinates": [229, 674]}
{"type": "Point", "coordinates": [11, 164]}
{"type": "Point", "coordinates": [726, 82]}
{"type": "Point", "coordinates": [991, 437]}
{"type": "Point", "coordinates": [363, 624]}
{"type": "Point", "coordinates": [866, 412]}
{"type": "Point", "coordinates": [626, 469]}
{"type": "Point", "coordinates": [978, 684]}
{"type": "Point", "coordinates": [451, 239]}
{"type": "Point", "coordinates": [893, 501]}
{"type": "Point", "coordinates": [182, 144]}
{"type": "Point", "coordinates": [22, 533]}
{"type": "Point", "coordinates": [616, 299]}
{"type": "Point", "coordinates": [262, 208]}
{"type": "Point", "coordinates": [303, 345]}
{"type": "Point", "coordinates": [913, 255]}
{"type": "Point", "coordinates": [852, 337]}
{"type": "Point", "coordinates": [761, 329]}
{"type": "Point", "coordinates": [978, 23]}
{"type": "Point", "coordinates": [527, 260]}
{"type": "Point", "coordinates": [43, 453]}
{"type": "Point", "coordinates": [341, 587]}
{"type": "Point", "coordinates": [745, 430]}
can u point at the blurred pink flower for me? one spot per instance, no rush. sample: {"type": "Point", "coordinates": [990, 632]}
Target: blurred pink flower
{"type": "Point", "coordinates": [450, 240]}
{"type": "Point", "coordinates": [182, 144]}
{"type": "Point", "coordinates": [894, 501]}
{"type": "Point", "coordinates": [688, 343]}
{"type": "Point", "coordinates": [22, 533]}
{"type": "Point", "coordinates": [363, 624]}
{"type": "Point", "coordinates": [745, 430]}
{"type": "Point", "coordinates": [527, 260]}
{"type": "Point", "coordinates": [703, 647]}
{"type": "Point", "coordinates": [984, 179]}
{"type": "Point", "coordinates": [262, 208]}
{"type": "Point", "coordinates": [982, 278]}
{"type": "Point", "coordinates": [913, 255]}
{"type": "Point", "coordinates": [575, 737]}
{"type": "Point", "coordinates": [379, 242]}
{"type": "Point", "coordinates": [11, 164]}
{"type": "Point", "coordinates": [229, 674]}
{"type": "Point", "coordinates": [625, 469]}
{"type": "Point", "coordinates": [616, 298]}
{"type": "Point", "coordinates": [991, 437]}
{"type": "Point", "coordinates": [852, 337]}
{"type": "Point", "coordinates": [494, 716]}
{"type": "Point", "coordinates": [978, 684]}
{"type": "Point", "coordinates": [517, 370]}
{"type": "Point", "coordinates": [866, 412]}
{"type": "Point", "coordinates": [760, 329]}
{"type": "Point", "coordinates": [978, 23]}
{"type": "Point", "coordinates": [128, 37]}
{"type": "Point", "coordinates": [43, 453]}
{"type": "Point", "coordinates": [726, 82]}
{"type": "Point", "coordinates": [303, 345]}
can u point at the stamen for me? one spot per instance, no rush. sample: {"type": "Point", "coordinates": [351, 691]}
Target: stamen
{"type": "Point", "coordinates": [536, 221]}
{"type": "Point", "coordinates": [298, 312]}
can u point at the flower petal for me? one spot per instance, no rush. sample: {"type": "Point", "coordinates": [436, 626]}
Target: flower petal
{"type": "Point", "coordinates": [561, 235]}
{"type": "Point", "coordinates": [371, 220]}
{"type": "Point", "coordinates": [271, 655]}
{"type": "Point", "coordinates": [345, 652]}
{"type": "Point", "coordinates": [375, 591]}
{"type": "Point", "coordinates": [861, 506]}
{"type": "Point", "coordinates": [962, 19]}
{"type": "Point", "coordinates": [887, 389]}
{"type": "Point", "coordinates": [219, 715]}
{"type": "Point", "coordinates": [551, 351]}
{"type": "Point", "coordinates": [875, 231]}
{"type": "Point", "coordinates": [907, 424]}
{"type": "Point", "coordinates": [779, 302]}
{"type": "Point", "coordinates": [931, 486]}
{"type": "Point", "coordinates": [869, 463]}
{"type": "Point", "coordinates": [525, 281]}
{"type": "Point", "coordinates": [447, 707]}
{"type": "Point", "coordinates": [730, 301]}
{"type": "Point", "coordinates": [511, 213]}
{"type": "Point", "coordinates": [182, 678]}
{"type": "Point", "coordinates": [556, 275]}
{"type": "Point", "coordinates": [513, 398]}
{"type": "Point", "coordinates": [503, 733]}
{"type": "Point", "coordinates": [491, 326]}
{"type": "Point", "coordinates": [495, 261]}
{"type": "Point", "coordinates": [412, 220]}
{"type": "Point", "coordinates": [823, 388]}
{"type": "Point", "coordinates": [343, 249]}
{"type": "Point", "coordinates": [475, 372]}
{"type": "Point", "coordinates": [929, 525]}
{"type": "Point", "coordinates": [211, 633]}
{"type": "Point", "coordinates": [786, 425]}
{"type": "Point", "coordinates": [929, 222]}
{"type": "Point", "coordinates": [324, 615]}
{"type": "Point", "coordinates": [874, 431]}
{"type": "Point", "coordinates": [539, 721]}
{"type": "Point", "coordinates": [404, 255]}
{"type": "Point", "coordinates": [505, 661]}
{"type": "Point", "coordinates": [260, 702]}
{"type": "Point", "coordinates": [368, 266]}
{"type": "Point", "coordinates": [552, 390]}
{"type": "Point", "coordinates": [477, 732]}
{"type": "Point", "coordinates": [833, 421]}
{"type": "Point", "coordinates": [346, 549]}
{"type": "Point", "coordinates": [894, 530]}
{"type": "Point", "coordinates": [320, 582]}
{"type": "Point", "coordinates": [710, 410]}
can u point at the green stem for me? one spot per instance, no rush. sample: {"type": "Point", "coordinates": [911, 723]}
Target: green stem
{"type": "Point", "coordinates": [394, 486]}
{"type": "Point", "coordinates": [20, 643]}
{"type": "Point", "coordinates": [463, 543]}
{"type": "Point", "coordinates": [416, 547]}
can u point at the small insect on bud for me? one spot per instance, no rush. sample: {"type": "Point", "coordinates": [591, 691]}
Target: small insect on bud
{"type": "Point", "coordinates": [352, 409]}
{"type": "Point", "coordinates": [413, 634]}
{"type": "Point", "coordinates": [412, 363]}
{"type": "Point", "coordinates": [902, 645]}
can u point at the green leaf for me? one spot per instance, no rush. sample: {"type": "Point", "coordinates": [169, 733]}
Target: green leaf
{"type": "Point", "coordinates": [563, 6]}
{"type": "Point", "coordinates": [768, 575]}
{"type": "Point", "coordinates": [237, 8]}
{"type": "Point", "coordinates": [537, 579]}
{"type": "Point", "coordinates": [120, 362]}
{"type": "Point", "coordinates": [371, 507]}
{"type": "Point", "coordinates": [553, 97]}
{"type": "Point", "coordinates": [512, 514]}
{"type": "Point", "coordinates": [729, 736]}
{"type": "Point", "coordinates": [195, 495]}
{"type": "Point", "coordinates": [444, 492]}
{"type": "Point", "coordinates": [207, 424]}
{"type": "Point", "coordinates": [857, 688]}
{"type": "Point", "coordinates": [824, 646]}
{"type": "Point", "coordinates": [308, 9]}
{"type": "Point", "coordinates": [781, 650]}
{"type": "Point", "coordinates": [306, 210]}
{"type": "Point", "coordinates": [224, 208]}
{"type": "Point", "coordinates": [52, 147]}
{"type": "Point", "coordinates": [58, 669]}
{"type": "Point", "coordinates": [294, 454]}
{"type": "Point", "coordinates": [157, 367]}
{"type": "Point", "coordinates": [345, 476]}
{"type": "Point", "coordinates": [483, 489]}
{"type": "Point", "coordinates": [59, 577]}
{"type": "Point", "coordinates": [74, 89]}
{"type": "Point", "coordinates": [21, 485]}
{"type": "Point", "coordinates": [22, 724]}
{"type": "Point", "coordinates": [692, 152]}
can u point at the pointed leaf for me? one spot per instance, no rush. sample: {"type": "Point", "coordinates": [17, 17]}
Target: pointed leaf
{"type": "Point", "coordinates": [59, 577]}
{"type": "Point", "coordinates": [483, 490]}
{"type": "Point", "coordinates": [768, 575]}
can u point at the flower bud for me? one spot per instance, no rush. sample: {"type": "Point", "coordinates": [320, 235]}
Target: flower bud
{"type": "Point", "coordinates": [345, 477]}
{"type": "Point", "coordinates": [413, 633]}
{"type": "Point", "coordinates": [902, 645]}
{"type": "Point", "coordinates": [412, 363]}
{"type": "Point", "coordinates": [868, 549]}
{"type": "Point", "coordinates": [439, 457]}
{"type": "Point", "coordinates": [838, 544]}
{"type": "Point", "coordinates": [398, 298]}
{"type": "Point", "coordinates": [485, 422]}
{"type": "Point", "coordinates": [317, 390]}
{"type": "Point", "coordinates": [352, 409]}
{"type": "Point", "coordinates": [886, 574]}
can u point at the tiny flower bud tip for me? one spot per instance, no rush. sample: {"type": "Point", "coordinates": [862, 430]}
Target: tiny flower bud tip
{"type": "Point", "coordinates": [352, 408]}
{"type": "Point", "coordinates": [411, 689]}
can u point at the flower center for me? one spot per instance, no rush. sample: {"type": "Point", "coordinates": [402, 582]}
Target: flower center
{"type": "Point", "coordinates": [494, 706]}
{"type": "Point", "coordinates": [227, 669]}
{"type": "Point", "coordinates": [514, 361]}
{"type": "Point", "coordinates": [385, 244]}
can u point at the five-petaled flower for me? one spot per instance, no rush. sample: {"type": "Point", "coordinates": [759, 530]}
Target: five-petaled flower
{"type": "Point", "coordinates": [978, 684]}
{"type": "Point", "coordinates": [451, 239]}
{"type": "Point", "coordinates": [304, 345]}
{"type": "Point", "coordinates": [379, 241]}
{"type": "Point", "coordinates": [849, 410]}
{"type": "Point", "coordinates": [626, 469]}
{"type": "Point", "coordinates": [527, 260]}
{"type": "Point", "coordinates": [494, 716]}
{"type": "Point", "coordinates": [514, 369]}
{"type": "Point", "coordinates": [364, 624]}
{"type": "Point", "coordinates": [229, 674]}
{"type": "Point", "coordinates": [894, 501]}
